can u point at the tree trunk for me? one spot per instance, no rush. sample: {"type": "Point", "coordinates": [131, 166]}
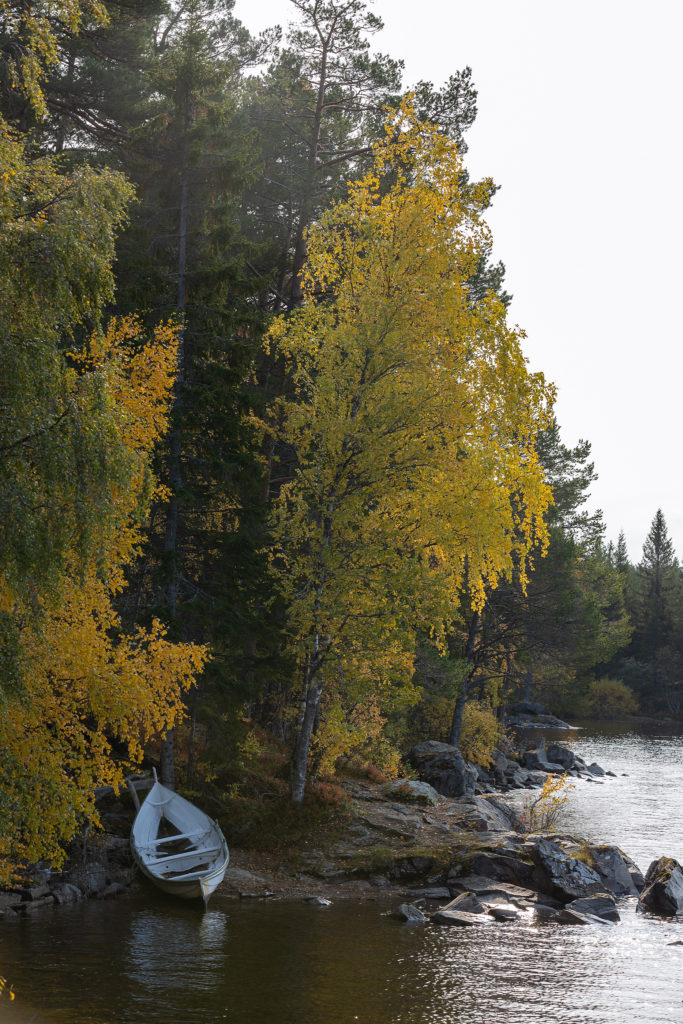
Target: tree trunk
{"type": "Point", "coordinates": [175, 466]}
{"type": "Point", "coordinates": [458, 710]}
{"type": "Point", "coordinates": [309, 710]}
{"type": "Point", "coordinates": [167, 764]}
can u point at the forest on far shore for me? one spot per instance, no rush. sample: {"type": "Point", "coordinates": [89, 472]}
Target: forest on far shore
{"type": "Point", "coordinates": [277, 486]}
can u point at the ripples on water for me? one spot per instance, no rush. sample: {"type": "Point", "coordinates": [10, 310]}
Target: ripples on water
{"type": "Point", "coordinates": [150, 960]}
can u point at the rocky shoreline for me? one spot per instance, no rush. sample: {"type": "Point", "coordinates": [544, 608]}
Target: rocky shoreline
{"type": "Point", "coordinates": [446, 846]}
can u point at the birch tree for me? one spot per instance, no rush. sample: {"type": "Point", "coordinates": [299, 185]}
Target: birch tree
{"type": "Point", "coordinates": [413, 426]}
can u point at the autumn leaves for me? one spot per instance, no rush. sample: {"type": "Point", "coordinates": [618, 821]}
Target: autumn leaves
{"type": "Point", "coordinates": [414, 423]}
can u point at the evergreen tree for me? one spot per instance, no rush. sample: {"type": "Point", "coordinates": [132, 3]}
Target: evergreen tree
{"type": "Point", "coordinates": [654, 661]}
{"type": "Point", "coordinates": [545, 636]}
{"type": "Point", "coordinates": [184, 251]}
{"type": "Point", "coordinates": [620, 560]}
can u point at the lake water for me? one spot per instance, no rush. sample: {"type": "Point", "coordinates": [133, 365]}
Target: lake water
{"type": "Point", "coordinates": [150, 960]}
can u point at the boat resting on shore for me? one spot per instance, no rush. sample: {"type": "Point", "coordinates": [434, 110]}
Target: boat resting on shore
{"type": "Point", "coordinates": [177, 846]}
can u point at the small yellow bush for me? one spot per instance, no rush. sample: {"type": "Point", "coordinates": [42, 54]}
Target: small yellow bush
{"type": "Point", "coordinates": [542, 812]}
{"type": "Point", "coordinates": [480, 733]}
{"type": "Point", "coordinates": [608, 698]}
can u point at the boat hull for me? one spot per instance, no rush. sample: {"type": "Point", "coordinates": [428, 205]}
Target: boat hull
{"type": "Point", "coordinates": [199, 889]}
{"type": "Point", "coordinates": [178, 847]}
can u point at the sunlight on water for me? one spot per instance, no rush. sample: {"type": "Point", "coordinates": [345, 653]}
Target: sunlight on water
{"type": "Point", "coordinates": [150, 960]}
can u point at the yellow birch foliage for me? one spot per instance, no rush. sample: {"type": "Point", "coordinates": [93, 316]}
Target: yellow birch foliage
{"type": "Point", "coordinates": [82, 683]}
{"type": "Point", "coordinates": [414, 420]}
{"type": "Point", "coordinates": [76, 436]}
{"type": "Point", "coordinates": [31, 27]}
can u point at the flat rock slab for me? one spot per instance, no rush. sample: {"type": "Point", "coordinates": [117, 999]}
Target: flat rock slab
{"type": "Point", "coordinates": [544, 913]}
{"type": "Point", "coordinates": [437, 892]}
{"type": "Point", "coordinates": [34, 892]}
{"type": "Point", "coordinates": [413, 791]}
{"type": "Point", "coordinates": [239, 877]}
{"type": "Point", "coordinates": [503, 914]}
{"type": "Point", "coordinates": [568, 916]}
{"type": "Point", "coordinates": [597, 906]}
{"type": "Point", "coordinates": [467, 902]}
{"type": "Point", "coordinates": [457, 918]}
{"type": "Point", "coordinates": [481, 884]}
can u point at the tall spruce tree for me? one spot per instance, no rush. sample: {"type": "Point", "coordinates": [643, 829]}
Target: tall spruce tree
{"type": "Point", "coordinates": [654, 662]}
{"type": "Point", "coordinates": [184, 253]}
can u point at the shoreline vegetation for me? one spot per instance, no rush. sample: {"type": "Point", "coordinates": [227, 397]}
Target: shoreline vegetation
{"type": "Point", "coordinates": [454, 860]}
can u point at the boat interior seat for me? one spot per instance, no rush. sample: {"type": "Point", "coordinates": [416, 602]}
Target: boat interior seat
{"type": "Point", "coordinates": [203, 854]}
{"type": "Point", "coordinates": [191, 837]}
{"type": "Point", "coordinates": [189, 876]}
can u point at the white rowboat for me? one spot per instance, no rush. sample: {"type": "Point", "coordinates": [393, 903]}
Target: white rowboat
{"type": "Point", "coordinates": [177, 846]}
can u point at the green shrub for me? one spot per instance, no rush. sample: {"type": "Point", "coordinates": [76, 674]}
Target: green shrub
{"type": "Point", "coordinates": [608, 698]}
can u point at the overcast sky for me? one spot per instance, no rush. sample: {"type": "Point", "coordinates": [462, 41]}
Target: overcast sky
{"type": "Point", "coordinates": [579, 123]}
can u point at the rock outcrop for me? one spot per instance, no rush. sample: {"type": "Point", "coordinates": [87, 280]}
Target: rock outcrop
{"type": "Point", "coordinates": [663, 892]}
{"type": "Point", "coordinates": [444, 768]}
{"type": "Point", "coordinates": [568, 877]}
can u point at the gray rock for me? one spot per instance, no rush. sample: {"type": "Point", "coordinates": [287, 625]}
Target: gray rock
{"type": "Point", "coordinates": [540, 760]}
{"type": "Point", "coordinates": [568, 916]}
{"type": "Point", "coordinates": [663, 892]}
{"type": "Point", "coordinates": [596, 906]}
{"type": "Point", "coordinates": [618, 873]}
{"type": "Point", "coordinates": [483, 886]}
{"type": "Point", "coordinates": [406, 868]}
{"type": "Point", "coordinates": [567, 876]}
{"type": "Point", "coordinates": [503, 914]}
{"type": "Point", "coordinates": [497, 815]}
{"type": "Point", "coordinates": [413, 791]}
{"type": "Point", "coordinates": [410, 913]}
{"type": "Point", "coordinates": [91, 879]}
{"type": "Point", "coordinates": [118, 852]}
{"type": "Point", "coordinates": [237, 876]}
{"type": "Point", "coordinates": [9, 900]}
{"type": "Point", "coordinates": [536, 779]}
{"type": "Point", "coordinates": [122, 876]}
{"type": "Point", "coordinates": [504, 867]}
{"type": "Point", "coordinates": [595, 769]}
{"type": "Point", "coordinates": [36, 905]}
{"type": "Point", "coordinates": [34, 892]}
{"type": "Point", "coordinates": [443, 767]}
{"type": "Point", "coordinates": [527, 707]}
{"type": "Point", "coordinates": [534, 758]}
{"type": "Point", "coordinates": [545, 913]}
{"type": "Point", "coordinates": [561, 755]}
{"type": "Point", "coordinates": [317, 901]}
{"type": "Point", "coordinates": [113, 890]}
{"type": "Point", "coordinates": [457, 918]}
{"type": "Point", "coordinates": [63, 892]}
{"type": "Point", "coordinates": [435, 892]}
{"type": "Point", "coordinates": [467, 902]}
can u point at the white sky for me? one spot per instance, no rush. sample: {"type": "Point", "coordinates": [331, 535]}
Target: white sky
{"type": "Point", "coordinates": [580, 124]}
